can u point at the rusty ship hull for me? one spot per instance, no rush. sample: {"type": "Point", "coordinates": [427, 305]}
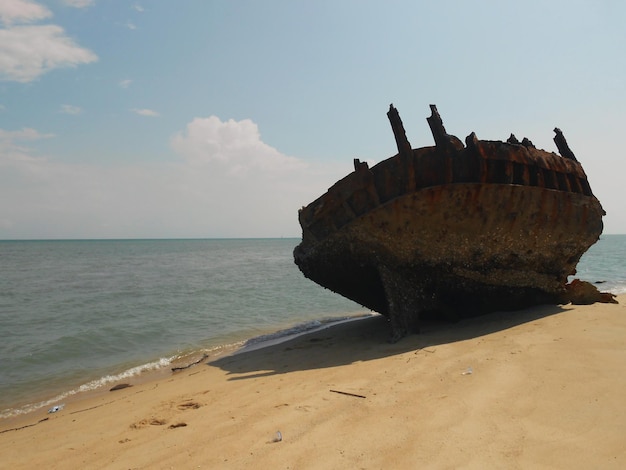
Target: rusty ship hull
{"type": "Point", "coordinates": [451, 229]}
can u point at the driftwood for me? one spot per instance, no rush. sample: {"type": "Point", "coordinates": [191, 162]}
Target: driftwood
{"type": "Point", "coordinates": [176, 369]}
{"type": "Point", "coordinates": [119, 387]}
{"type": "Point", "coordinates": [348, 393]}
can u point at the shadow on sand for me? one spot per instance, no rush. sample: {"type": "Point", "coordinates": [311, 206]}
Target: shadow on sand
{"type": "Point", "coordinates": [366, 340]}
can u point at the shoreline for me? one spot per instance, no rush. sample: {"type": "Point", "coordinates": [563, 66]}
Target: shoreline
{"type": "Point", "coordinates": [159, 368]}
{"type": "Point", "coordinates": [75, 397]}
{"type": "Point", "coordinates": [515, 389]}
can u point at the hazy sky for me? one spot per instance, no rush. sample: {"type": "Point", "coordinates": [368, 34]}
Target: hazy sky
{"type": "Point", "coordinates": [220, 118]}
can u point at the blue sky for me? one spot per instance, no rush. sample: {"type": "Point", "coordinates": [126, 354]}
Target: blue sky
{"type": "Point", "coordinates": [202, 118]}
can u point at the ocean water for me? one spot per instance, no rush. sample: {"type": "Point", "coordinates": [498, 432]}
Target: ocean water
{"type": "Point", "coordinates": [76, 315]}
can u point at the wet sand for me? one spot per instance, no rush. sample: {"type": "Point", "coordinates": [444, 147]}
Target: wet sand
{"type": "Point", "coordinates": [539, 388]}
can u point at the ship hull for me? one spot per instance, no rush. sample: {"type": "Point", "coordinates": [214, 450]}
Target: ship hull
{"type": "Point", "coordinates": [458, 231]}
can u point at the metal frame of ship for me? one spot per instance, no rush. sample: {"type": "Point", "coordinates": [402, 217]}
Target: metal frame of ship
{"type": "Point", "coordinates": [453, 230]}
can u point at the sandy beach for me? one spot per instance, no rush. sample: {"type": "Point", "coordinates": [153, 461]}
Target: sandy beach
{"type": "Point", "coordinates": [539, 388]}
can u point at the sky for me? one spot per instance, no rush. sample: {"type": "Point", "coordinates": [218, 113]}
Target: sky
{"type": "Point", "coordinates": [221, 118]}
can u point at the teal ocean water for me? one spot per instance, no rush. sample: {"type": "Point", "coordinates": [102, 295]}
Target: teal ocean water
{"type": "Point", "coordinates": [76, 315]}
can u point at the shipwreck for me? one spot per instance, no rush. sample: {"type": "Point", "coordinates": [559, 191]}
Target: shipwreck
{"type": "Point", "coordinates": [454, 229]}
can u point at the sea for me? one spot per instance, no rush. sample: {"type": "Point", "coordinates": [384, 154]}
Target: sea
{"type": "Point", "coordinates": [80, 315]}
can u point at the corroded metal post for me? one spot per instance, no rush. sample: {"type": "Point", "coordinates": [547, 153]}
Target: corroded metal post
{"type": "Point", "coordinates": [561, 144]}
{"type": "Point", "coordinates": [404, 146]}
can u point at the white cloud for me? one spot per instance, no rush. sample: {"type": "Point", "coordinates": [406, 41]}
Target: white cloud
{"type": "Point", "coordinates": [79, 3]}
{"type": "Point", "coordinates": [130, 25]}
{"type": "Point", "coordinates": [26, 52]}
{"type": "Point", "coordinates": [236, 145]}
{"type": "Point", "coordinates": [138, 8]}
{"type": "Point", "coordinates": [27, 133]}
{"type": "Point", "coordinates": [69, 109]}
{"type": "Point", "coordinates": [125, 83]}
{"type": "Point", "coordinates": [12, 149]}
{"type": "Point", "coordinates": [22, 11]}
{"type": "Point", "coordinates": [145, 112]}
{"type": "Point", "coordinates": [227, 183]}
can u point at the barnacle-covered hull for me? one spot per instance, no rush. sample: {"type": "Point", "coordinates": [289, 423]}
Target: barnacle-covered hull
{"type": "Point", "coordinates": [453, 229]}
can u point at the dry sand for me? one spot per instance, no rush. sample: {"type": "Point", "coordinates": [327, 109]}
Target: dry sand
{"type": "Point", "coordinates": [546, 390]}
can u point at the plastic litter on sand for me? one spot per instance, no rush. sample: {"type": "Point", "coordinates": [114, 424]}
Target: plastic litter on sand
{"type": "Point", "coordinates": [56, 408]}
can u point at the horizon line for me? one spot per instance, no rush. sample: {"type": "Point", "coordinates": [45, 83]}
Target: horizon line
{"type": "Point", "coordinates": [142, 239]}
